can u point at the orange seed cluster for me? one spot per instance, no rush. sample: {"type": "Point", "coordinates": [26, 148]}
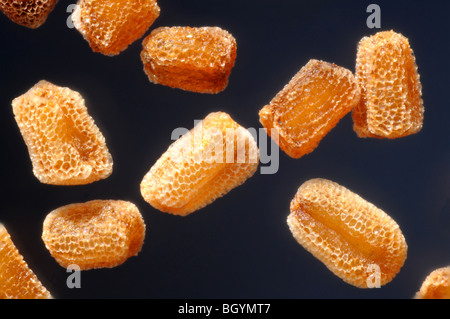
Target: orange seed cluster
{"type": "Point", "coordinates": [17, 280]}
{"type": "Point", "coordinates": [28, 13]}
{"type": "Point", "coordinates": [110, 26]}
{"type": "Point", "coordinates": [309, 106]}
{"type": "Point", "coordinates": [95, 234]}
{"type": "Point", "coordinates": [216, 156]}
{"type": "Point", "coordinates": [436, 285]}
{"type": "Point", "coordinates": [64, 144]}
{"type": "Point", "coordinates": [351, 236]}
{"type": "Point", "coordinates": [391, 104]}
{"type": "Point", "coordinates": [192, 59]}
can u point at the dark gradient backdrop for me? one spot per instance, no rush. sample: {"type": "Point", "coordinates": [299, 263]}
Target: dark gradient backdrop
{"type": "Point", "coordinates": [239, 246]}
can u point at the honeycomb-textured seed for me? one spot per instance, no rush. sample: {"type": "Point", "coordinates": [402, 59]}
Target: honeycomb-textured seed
{"type": "Point", "coordinates": [110, 26]}
{"type": "Point", "coordinates": [216, 156]}
{"type": "Point", "coordinates": [28, 13]}
{"type": "Point", "coordinates": [64, 144]}
{"type": "Point", "coordinates": [357, 241]}
{"type": "Point", "coordinates": [309, 106]}
{"type": "Point", "coordinates": [193, 59]}
{"type": "Point", "coordinates": [391, 92]}
{"type": "Point", "coordinates": [436, 285]}
{"type": "Point", "coordinates": [95, 234]}
{"type": "Point", "coordinates": [17, 280]}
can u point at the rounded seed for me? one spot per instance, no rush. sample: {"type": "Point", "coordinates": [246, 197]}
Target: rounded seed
{"type": "Point", "coordinates": [95, 234]}
{"type": "Point", "coordinates": [436, 285]}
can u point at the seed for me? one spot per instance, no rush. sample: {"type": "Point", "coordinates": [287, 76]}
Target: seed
{"type": "Point", "coordinates": [216, 156]}
{"type": "Point", "coordinates": [391, 93]}
{"type": "Point", "coordinates": [30, 13]}
{"type": "Point", "coordinates": [110, 26]}
{"type": "Point", "coordinates": [64, 144]}
{"type": "Point", "coordinates": [95, 234]}
{"type": "Point", "coordinates": [193, 59]}
{"type": "Point", "coordinates": [328, 211]}
{"type": "Point", "coordinates": [17, 280]}
{"type": "Point", "coordinates": [436, 285]}
{"type": "Point", "coordinates": [309, 106]}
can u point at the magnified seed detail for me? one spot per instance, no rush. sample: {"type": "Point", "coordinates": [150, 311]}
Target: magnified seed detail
{"type": "Point", "coordinates": [309, 106]}
{"type": "Point", "coordinates": [64, 144]}
{"type": "Point", "coordinates": [111, 26]}
{"type": "Point", "coordinates": [17, 280]}
{"type": "Point", "coordinates": [391, 101]}
{"type": "Point", "coordinates": [206, 163]}
{"type": "Point", "coordinates": [350, 236]}
{"type": "Point", "coordinates": [28, 13]}
{"type": "Point", "coordinates": [192, 59]}
{"type": "Point", "coordinates": [95, 234]}
{"type": "Point", "coordinates": [436, 285]}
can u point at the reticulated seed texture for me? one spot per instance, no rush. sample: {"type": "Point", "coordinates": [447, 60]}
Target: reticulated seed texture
{"type": "Point", "coordinates": [436, 285]}
{"type": "Point", "coordinates": [110, 26]}
{"type": "Point", "coordinates": [207, 162]}
{"type": "Point", "coordinates": [64, 144]}
{"type": "Point", "coordinates": [193, 59]}
{"type": "Point", "coordinates": [309, 106]}
{"type": "Point", "coordinates": [95, 234]}
{"type": "Point", "coordinates": [28, 13]}
{"type": "Point", "coordinates": [357, 241]}
{"type": "Point", "coordinates": [17, 280]}
{"type": "Point", "coordinates": [391, 92]}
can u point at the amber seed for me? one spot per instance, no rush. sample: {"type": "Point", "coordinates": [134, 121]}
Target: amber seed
{"type": "Point", "coordinates": [206, 163]}
{"type": "Point", "coordinates": [110, 26]}
{"type": "Point", "coordinates": [192, 59]}
{"type": "Point", "coordinates": [28, 13]}
{"type": "Point", "coordinates": [95, 234]}
{"type": "Point", "coordinates": [355, 240]}
{"type": "Point", "coordinates": [64, 144]}
{"type": "Point", "coordinates": [17, 280]}
{"type": "Point", "coordinates": [310, 106]}
{"type": "Point", "coordinates": [436, 285]}
{"type": "Point", "coordinates": [391, 92]}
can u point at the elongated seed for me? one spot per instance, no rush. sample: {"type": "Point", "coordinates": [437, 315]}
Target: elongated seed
{"type": "Point", "coordinates": [357, 241]}
{"type": "Point", "coordinates": [95, 234]}
{"type": "Point", "coordinates": [197, 59]}
{"type": "Point", "coordinates": [216, 156]}
{"type": "Point", "coordinates": [310, 106]}
{"type": "Point", "coordinates": [391, 92]}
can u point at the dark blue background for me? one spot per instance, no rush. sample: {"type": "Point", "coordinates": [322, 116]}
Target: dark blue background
{"type": "Point", "coordinates": [239, 246]}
